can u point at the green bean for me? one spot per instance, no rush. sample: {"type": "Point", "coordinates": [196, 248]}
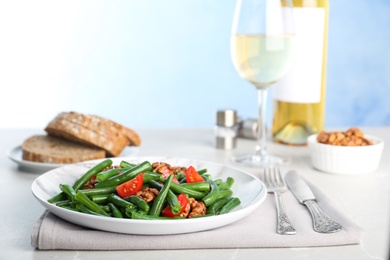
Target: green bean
{"type": "Point", "coordinates": [116, 213]}
{"type": "Point", "coordinates": [226, 185]}
{"type": "Point", "coordinates": [140, 203]}
{"type": "Point", "coordinates": [82, 180]}
{"type": "Point", "coordinates": [171, 197]}
{"type": "Point", "coordinates": [224, 194]}
{"type": "Point", "coordinates": [84, 200]}
{"type": "Point", "coordinates": [216, 206]}
{"type": "Point", "coordinates": [126, 175]}
{"type": "Point", "coordinates": [231, 204]}
{"type": "Point", "coordinates": [63, 203]}
{"type": "Point", "coordinates": [180, 176]}
{"type": "Point", "coordinates": [230, 181]}
{"type": "Point", "coordinates": [156, 185]}
{"type": "Point", "coordinates": [85, 209]}
{"type": "Point", "coordinates": [102, 176]}
{"type": "Point", "coordinates": [68, 190]}
{"type": "Point", "coordinates": [58, 197]}
{"type": "Point", "coordinates": [100, 199]}
{"type": "Point", "coordinates": [106, 208]}
{"type": "Point", "coordinates": [99, 191]}
{"type": "Point", "coordinates": [203, 171]}
{"type": "Point", "coordinates": [74, 204]}
{"type": "Point", "coordinates": [212, 196]}
{"type": "Point", "coordinates": [142, 212]}
{"type": "Point", "coordinates": [152, 176]}
{"type": "Point", "coordinates": [173, 203]}
{"type": "Point", "coordinates": [198, 186]}
{"type": "Point", "coordinates": [158, 202]}
{"type": "Point", "coordinates": [90, 173]}
{"type": "Point", "coordinates": [118, 201]}
{"type": "Point", "coordinates": [178, 188]}
{"type": "Point", "coordinates": [136, 215]}
{"type": "Point", "coordinates": [206, 176]}
{"type": "Point", "coordinates": [103, 199]}
{"type": "Point", "coordinates": [125, 164]}
{"type": "Point", "coordinates": [129, 212]}
{"type": "Point", "coordinates": [218, 181]}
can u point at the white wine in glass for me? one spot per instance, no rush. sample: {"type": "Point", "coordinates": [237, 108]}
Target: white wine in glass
{"type": "Point", "coordinates": [261, 50]}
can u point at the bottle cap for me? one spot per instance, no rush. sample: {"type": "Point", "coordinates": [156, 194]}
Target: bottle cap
{"type": "Point", "coordinates": [227, 118]}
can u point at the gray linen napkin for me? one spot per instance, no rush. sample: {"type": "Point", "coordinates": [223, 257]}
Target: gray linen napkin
{"type": "Point", "coordinates": [258, 230]}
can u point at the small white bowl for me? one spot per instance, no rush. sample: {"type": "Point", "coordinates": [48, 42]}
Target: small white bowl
{"type": "Point", "coordinates": [350, 160]}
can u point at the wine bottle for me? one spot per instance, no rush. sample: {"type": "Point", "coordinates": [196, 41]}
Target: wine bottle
{"type": "Point", "coordinates": [299, 98]}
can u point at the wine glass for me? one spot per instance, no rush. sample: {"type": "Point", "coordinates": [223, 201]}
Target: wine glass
{"type": "Point", "coordinates": [261, 50]}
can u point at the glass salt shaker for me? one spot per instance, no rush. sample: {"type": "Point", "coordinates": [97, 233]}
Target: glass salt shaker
{"type": "Point", "coordinates": [225, 129]}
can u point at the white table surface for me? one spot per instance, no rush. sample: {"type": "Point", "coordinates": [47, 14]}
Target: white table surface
{"type": "Point", "coordinates": [365, 198]}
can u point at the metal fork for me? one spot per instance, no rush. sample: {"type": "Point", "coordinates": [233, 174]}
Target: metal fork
{"type": "Point", "coordinates": [274, 182]}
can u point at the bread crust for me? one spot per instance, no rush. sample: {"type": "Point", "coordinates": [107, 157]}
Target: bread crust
{"type": "Point", "coordinates": [90, 130]}
{"type": "Point", "coordinates": [132, 135]}
{"type": "Point", "coordinates": [102, 125]}
{"type": "Point", "coordinates": [49, 149]}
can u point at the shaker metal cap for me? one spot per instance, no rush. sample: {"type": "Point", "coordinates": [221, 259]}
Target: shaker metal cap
{"type": "Point", "coordinates": [226, 118]}
{"type": "Point", "coordinates": [248, 128]}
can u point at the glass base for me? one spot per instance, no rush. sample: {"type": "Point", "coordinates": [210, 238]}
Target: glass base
{"type": "Point", "coordinates": [268, 160]}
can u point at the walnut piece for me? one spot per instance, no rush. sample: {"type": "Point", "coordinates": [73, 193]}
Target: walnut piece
{"type": "Point", "coordinates": [162, 167]}
{"type": "Point", "coordinates": [352, 137]}
{"type": "Point", "coordinates": [194, 208]}
{"type": "Point", "coordinates": [147, 194]}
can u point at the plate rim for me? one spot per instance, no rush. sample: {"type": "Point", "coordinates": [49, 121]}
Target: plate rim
{"type": "Point", "coordinates": [235, 215]}
{"type": "Point", "coordinates": [13, 155]}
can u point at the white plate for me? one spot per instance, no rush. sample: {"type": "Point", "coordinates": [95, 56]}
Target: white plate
{"type": "Point", "coordinates": [249, 189]}
{"type": "Point", "coordinates": [16, 155]}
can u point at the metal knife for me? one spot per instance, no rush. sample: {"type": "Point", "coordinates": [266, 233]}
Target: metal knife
{"type": "Point", "coordinates": [322, 223]}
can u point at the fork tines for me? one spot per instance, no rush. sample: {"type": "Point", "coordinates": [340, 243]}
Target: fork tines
{"type": "Point", "coordinates": [272, 178]}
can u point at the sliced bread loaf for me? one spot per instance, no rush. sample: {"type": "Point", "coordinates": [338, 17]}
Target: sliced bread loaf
{"type": "Point", "coordinates": [92, 130]}
{"type": "Point", "coordinates": [132, 135]}
{"type": "Point", "coordinates": [49, 149]}
{"type": "Point", "coordinates": [102, 125]}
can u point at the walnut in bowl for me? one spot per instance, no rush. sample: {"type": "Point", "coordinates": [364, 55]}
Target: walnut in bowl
{"type": "Point", "coordinates": [349, 152]}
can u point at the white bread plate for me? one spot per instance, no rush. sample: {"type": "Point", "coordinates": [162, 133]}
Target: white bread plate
{"type": "Point", "coordinates": [16, 155]}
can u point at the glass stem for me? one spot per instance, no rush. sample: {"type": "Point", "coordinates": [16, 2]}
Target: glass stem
{"type": "Point", "coordinates": [261, 147]}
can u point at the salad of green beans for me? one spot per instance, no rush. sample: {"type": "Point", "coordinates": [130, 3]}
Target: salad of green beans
{"type": "Point", "coordinates": [119, 192]}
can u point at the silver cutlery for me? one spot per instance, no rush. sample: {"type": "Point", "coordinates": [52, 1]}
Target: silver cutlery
{"type": "Point", "coordinates": [273, 180]}
{"type": "Point", "coordinates": [322, 223]}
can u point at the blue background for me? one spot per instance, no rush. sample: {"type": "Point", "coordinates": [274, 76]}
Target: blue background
{"type": "Point", "coordinates": [167, 63]}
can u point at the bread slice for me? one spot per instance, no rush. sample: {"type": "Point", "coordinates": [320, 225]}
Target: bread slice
{"type": "Point", "coordinates": [96, 122]}
{"type": "Point", "coordinates": [93, 130]}
{"type": "Point", "coordinates": [132, 135]}
{"type": "Point", "coordinates": [49, 149]}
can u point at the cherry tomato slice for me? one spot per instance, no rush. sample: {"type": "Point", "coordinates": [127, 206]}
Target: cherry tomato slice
{"type": "Point", "coordinates": [166, 175]}
{"type": "Point", "coordinates": [167, 212]}
{"type": "Point", "coordinates": [130, 187]}
{"type": "Point", "coordinates": [193, 176]}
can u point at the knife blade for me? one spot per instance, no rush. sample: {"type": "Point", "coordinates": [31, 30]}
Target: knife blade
{"type": "Point", "coordinates": [322, 223]}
